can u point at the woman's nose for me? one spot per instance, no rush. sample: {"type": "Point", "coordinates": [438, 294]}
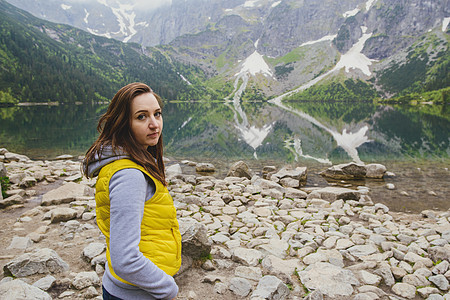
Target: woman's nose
{"type": "Point", "coordinates": [152, 122]}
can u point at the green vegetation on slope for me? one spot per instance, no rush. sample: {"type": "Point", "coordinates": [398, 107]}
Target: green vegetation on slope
{"type": "Point", "coordinates": [425, 68]}
{"type": "Point", "coordinates": [337, 89]}
{"type": "Point", "coordinates": [42, 62]}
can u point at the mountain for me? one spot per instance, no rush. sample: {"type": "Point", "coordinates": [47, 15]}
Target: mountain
{"type": "Point", "coordinates": [261, 49]}
{"type": "Point", "coordinates": [42, 61]}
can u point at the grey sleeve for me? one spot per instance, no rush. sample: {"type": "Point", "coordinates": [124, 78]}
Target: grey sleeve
{"type": "Point", "coordinates": [128, 189]}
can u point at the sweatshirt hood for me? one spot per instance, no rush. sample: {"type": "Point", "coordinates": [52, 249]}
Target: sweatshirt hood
{"type": "Point", "coordinates": [106, 156]}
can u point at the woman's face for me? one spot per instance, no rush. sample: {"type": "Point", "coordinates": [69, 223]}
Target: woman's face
{"type": "Point", "coordinates": [146, 120]}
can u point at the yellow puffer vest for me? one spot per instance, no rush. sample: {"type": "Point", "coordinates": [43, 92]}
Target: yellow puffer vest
{"type": "Point", "coordinates": [160, 234]}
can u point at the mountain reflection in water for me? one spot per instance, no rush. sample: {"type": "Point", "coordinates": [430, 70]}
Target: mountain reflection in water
{"type": "Point", "coordinates": [312, 134]}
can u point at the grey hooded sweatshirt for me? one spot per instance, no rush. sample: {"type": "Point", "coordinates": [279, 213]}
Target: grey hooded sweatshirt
{"type": "Point", "coordinates": [128, 191]}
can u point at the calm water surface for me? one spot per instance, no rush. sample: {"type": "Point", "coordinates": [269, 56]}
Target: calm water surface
{"type": "Point", "coordinates": [411, 140]}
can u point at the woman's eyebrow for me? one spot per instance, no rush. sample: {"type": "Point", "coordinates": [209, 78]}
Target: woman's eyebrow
{"type": "Point", "coordinates": [141, 111]}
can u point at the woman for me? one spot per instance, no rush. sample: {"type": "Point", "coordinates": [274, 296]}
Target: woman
{"type": "Point", "coordinates": [134, 209]}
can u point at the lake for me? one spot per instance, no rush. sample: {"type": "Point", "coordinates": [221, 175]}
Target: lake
{"type": "Point", "coordinates": [411, 140]}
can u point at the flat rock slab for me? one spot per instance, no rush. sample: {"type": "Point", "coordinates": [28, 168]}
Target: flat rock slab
{"type": "Point", "coordinates": [331, 280]}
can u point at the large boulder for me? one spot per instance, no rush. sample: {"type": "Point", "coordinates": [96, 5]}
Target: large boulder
{"type": "Point", "coordinates": [331, 193]}
{"type": "Point", "coordinates": [333, 281]}
{"type": "Point", "coordinates": [270, 287]}
{"type": "Point", "coordinates": [345, 171]}
{"type": "Point", "coordinates": [2, 170]}
{"type": "Point", "coordinates": [240, 169]}
{"type": "Point", "coordinates": [194, 238]}
{"type": "Point", "coordinates": [65, 194]}
{"type": "Point", "coordinates": [205, 168]}
{"type": "Point", "coordinates": [375, 170]}
{"type": "Point", "coordinates": [18, 289]}
{"type": "Point", "coordinates": [299, 173]}
{"type": "Point", "coordinates": [41, 261]}
{"type": "Point", "coordinates": [12, 200]}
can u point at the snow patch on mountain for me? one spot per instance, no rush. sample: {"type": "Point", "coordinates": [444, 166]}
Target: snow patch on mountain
{"type": "Point", "coordinates": [250, 3]}
{"type": "Point", "coordinates": [185, 123]}
{"type": "Point", "coordinates": [254, 64]}
{"type": "Point", "coordinates": [325, 38]}
{"type": "Point", "coordinates": [351, 13]}
{"type": "Point", "coordinates": [369, 4]}
{"type": "Point", "coordinates": [86, 16]}
{"type": "Point", "coordinates": [65, 6]}
{"type": "Point", "coordinates": [354, 59]}
{"type": "Point", "coordinates": [94, 31]}
{"type": "Point", "coordinates": [275, 4]}
{"type": "Point", "coordinates": [184, 78]}
{"type": "Point", "coordinates": [445, 24]}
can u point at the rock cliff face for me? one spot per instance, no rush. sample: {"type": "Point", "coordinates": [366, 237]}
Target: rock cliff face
{"type": "Point", "coordinates": [299, 40]}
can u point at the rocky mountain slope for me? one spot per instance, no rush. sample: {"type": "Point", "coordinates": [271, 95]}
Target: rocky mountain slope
{"type": "Point", "coordinates": [271, 47]}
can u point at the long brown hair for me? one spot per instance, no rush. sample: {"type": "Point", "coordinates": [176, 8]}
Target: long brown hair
{"type": "Point", "coordinates": [115, 131]}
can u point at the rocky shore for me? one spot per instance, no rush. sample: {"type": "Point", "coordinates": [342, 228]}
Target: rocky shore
{"type": "Point", "coordinates": [245, 236]}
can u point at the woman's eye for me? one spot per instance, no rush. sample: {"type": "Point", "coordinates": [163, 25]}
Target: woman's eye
{"type": "Point", "coordinates": [141, 117]}
{"type": "Point", "coordinates": [158, 114]}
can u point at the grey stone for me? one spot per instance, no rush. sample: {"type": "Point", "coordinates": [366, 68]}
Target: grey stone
{"type": "Point", "coordinates": [270, 287]}
{"type": "Point", "coordinates": [331, 256]}
{"type": "Point", "coordinates": [331, 280]}
{"type": "Point", "coordinates": [275, 247]}
{"type": "Point", "coordinates": [345, 171]}
{"type": "Point", "coordinates": [281, 268]}
{"type": "Point", "coordinates": [195, 240]}
{"type": "Point", "coordinates": [173, 170]}
{"type": "Point", "coordinates": [299, 173]}
{"type": "Point", "coordinates": [90, 293]}
{"type": "Point", "coordinates": [440, 281]}
{"type": "Point", "coordinates": [294, 193]}
{"type": "Point", "coordinates": [362, 250]}
{"type": "Point", "coordinates": [438, 253]}
{"type": "Point", "coordinates": [62, 214]}
{"type": "Point", "coordinates": [425, 292]}
{"type": "Point", "coordinates": [205, 168]}
{"type": "Point", "coordinates": [415, 280]}
{"type": "Point", "coordinates": [368, 278]}
{"type": "Point", "coordinates": [64, 194]}
{"type": "Point", "coordinates": [45, 283]}
{"type": "Point", "coordinates": [406, 239]}
{"type": "Point", "coordinates": [12, 200]}
{"type": "Point", "coordinates": [252, 273]}
{"type": "Point", "coordinates": [240, 169]}
{"type": "Point", "coordinates": [385, 271]}
{"type": "Point", "coordinates": [18, 289]}
{"type": "Point", "coordinates": [375, 170]}
{"type": "Point", "coordinates": [27, 182]}
{"type": "Point", "coordinates": [441, 268]}
{"type": "Point", "coordinates": [265, 184]}
{"type": "Point", "coordinates": [85, 279]}
{"type": "Point", "coordinates": [330, 193]}
{"type": "Point", "coordinates": [3, 172]}
{"type": "Point", "coordinates": [414, 258]}
{"type": "Point", "coordinates": [41, 261]}
{"type": "Point", "coordinates": [19, 242]}
{"type": "Point", "coordinates": [220, 288]}
{"type": "Point", "coordinates": [93, 249]}
{"type": "Point", "coordinates": [404, 290]}
{"type": "Point", "coordinates": [315, 295]}
{"type": "Point", "coordinates": [247, 257]}
{"type": "Point", "coordinates": [240, 286]}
